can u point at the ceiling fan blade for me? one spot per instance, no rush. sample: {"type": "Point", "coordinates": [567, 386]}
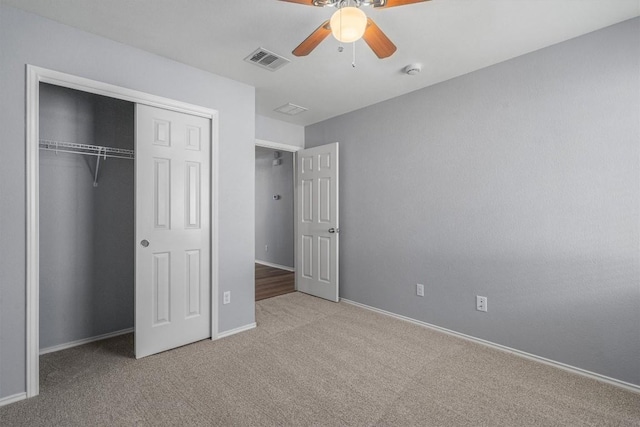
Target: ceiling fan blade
{"type": "Point", "coordinates": [378, 41]}
{"type": "Point", "coordinates": [307, 2]}
{"type": "Point", "coordinates": [313, 40]}
{"type": "Point", "coordinates": [392, 3]}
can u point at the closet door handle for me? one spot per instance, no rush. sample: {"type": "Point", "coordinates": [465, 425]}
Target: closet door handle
{"type": "Point", "coordinates": [144, 243]}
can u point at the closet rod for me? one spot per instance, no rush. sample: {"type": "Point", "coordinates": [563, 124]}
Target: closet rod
{"type": "Point", "coordinates": [91, 150]}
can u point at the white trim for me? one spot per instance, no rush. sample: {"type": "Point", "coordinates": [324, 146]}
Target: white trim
{"type": "Point", "coordinates": [57, 78]}
{"type": "Point", "coordinates": [12, 399]}
{"type": "Point", "coordinates": [271, 264]}
{"type": "Point", "coordinates": [237, 330]}
{"type": "Point", "coordinates": [214, 163]}
{"type": "Point", "coordinates": [295, 219]}
{"type": "Point", "coordinates": [595, 376]}
{"type": "Point", "coordinates": [83, 341]}
{"type": "Point", "coordinates": [35, 76]}
{"type": "Point", "coordinates": [33, 233]}
{"type": "Point", "coordinates": [277, 145]}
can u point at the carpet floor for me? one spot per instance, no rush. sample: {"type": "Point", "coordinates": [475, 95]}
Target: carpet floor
{"type": "Point", "coordinates": [315, 363]}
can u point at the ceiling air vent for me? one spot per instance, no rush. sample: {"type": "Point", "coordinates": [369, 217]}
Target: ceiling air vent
{"type": "Point", "coordinates": [291, 109]}
{"type": "Point", "coordinates": [265, 59]}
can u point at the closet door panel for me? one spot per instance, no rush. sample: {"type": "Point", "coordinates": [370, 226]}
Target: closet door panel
{"type": "Point", "coordinates": [193, 284]}
{"type": "Point", "coordinates": [192, 195]}
{"type": "Point", "coordinates": [162, 193]}
{"type": "Point", "coordinates": [161, 278]}
{"type": "Point", "coordinates": [173, 285]}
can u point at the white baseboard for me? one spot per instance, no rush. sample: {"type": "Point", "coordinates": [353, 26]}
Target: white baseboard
{"type": "Point", "coordinates": [84, 341]}
{"type": "Point", "coordinates": [602, 378]}
{"type": "Point", "coordinates": [270, 264]}
{"type": "Point", "coordinates": [13, 398]}
{"type": "Point", "coordinates": [236, 330]}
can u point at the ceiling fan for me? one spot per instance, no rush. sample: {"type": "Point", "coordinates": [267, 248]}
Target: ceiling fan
{"type": "Point", "coordinates": [349, 23]}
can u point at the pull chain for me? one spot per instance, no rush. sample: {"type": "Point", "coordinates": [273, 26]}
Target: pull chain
{"type": "Point", "coordinates": [353, 64]}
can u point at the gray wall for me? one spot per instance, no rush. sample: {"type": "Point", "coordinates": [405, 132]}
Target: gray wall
{"type": "Point", "coordinates": [274, 218]}
{"type": "Point", "coordinates": [269, 129]}
{"type": "Point", "coordinates": [86, 232]}
{"type": "Point", "coordinates": [28, 39]}
{"type": "Point", "coordinates": [518, 182]}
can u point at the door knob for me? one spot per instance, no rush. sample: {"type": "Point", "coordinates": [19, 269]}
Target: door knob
{"type": "Point", "coordinates": [334, 230]}
{"type": "Point", "coordinates": [144, 243]}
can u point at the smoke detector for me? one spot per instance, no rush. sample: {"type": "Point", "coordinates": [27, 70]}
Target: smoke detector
{"type": "Point", "coordinates": [412, 69]}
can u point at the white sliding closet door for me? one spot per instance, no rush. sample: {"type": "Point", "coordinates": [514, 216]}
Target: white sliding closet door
{"type": "Point", "coordinates": [173, 285]}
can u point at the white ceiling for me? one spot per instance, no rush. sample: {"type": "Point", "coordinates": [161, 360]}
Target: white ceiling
{"type": "Point", "coordinates": [448, 37]}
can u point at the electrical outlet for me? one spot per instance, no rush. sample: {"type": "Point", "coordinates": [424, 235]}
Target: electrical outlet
{"type": "Point", "coordinates": [266, 248]}
{"type": "Point", "coordinates": [226, 297]}
{"type": "Point", "coordinates": [420, 290]}
{"type": "Point", "coordinates": [481, 303]}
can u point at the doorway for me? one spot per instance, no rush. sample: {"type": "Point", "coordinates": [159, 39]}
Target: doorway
{"type": "Point", "coordinates": [35, 77]}
{"type": "Point", "coordinates": [86, 201]}
{"type": "Point", "coordinates": [275, 220]}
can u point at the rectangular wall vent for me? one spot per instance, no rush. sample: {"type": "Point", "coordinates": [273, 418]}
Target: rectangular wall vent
{"type": "Point", "coordinates": [290, 109]}
{"type": "Point", "coordinates": [267, 60]}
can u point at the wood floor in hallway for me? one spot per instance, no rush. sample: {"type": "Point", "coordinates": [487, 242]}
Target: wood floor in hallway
{"type": "Point", "coordinates": [271, 282]}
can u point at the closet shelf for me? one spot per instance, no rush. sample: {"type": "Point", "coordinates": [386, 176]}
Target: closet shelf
{"type": "Point", "coordinates": [91, 150]}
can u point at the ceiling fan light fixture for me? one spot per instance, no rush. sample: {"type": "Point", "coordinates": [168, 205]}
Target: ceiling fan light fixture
{"type": "Point", "coordinates": [348, 24]}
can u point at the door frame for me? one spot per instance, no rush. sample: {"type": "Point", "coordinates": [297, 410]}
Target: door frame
{"type": "Point", "coordinates": [34, 76]}
{"type": "Point", "coordinates": [291, 149]}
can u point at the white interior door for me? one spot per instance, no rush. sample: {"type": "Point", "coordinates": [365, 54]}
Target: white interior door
{"type": "Point", "coordinates": [173, 286]}
{"type": "Point", "coordinates": [318, 222]}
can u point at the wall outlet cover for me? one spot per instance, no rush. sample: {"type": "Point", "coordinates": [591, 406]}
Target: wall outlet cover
{"type": "Point", "coordinates": [226, 297]}
{"type": "Point", "coordinates": [481, 303]}
{"type": "Point", "coordinates": [420, 290]}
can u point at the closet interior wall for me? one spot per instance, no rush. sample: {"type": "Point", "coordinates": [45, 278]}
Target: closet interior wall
{"type": "Point", "coordinates": [86, 232]}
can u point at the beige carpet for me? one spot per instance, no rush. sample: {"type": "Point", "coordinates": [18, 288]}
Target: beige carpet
{"type": "Point", "coordinates": [312, 362]}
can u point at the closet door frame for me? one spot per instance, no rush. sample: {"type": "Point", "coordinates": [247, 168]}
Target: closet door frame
{"type": "Point", "coordinates": [35, 76]}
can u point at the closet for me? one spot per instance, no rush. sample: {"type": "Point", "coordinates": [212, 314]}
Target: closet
{"type": "Point", "coordinates": [86, 202]}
